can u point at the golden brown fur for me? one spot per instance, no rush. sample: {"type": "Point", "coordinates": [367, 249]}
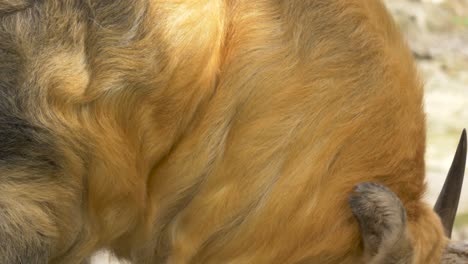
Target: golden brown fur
{"type": "Point", "coordinates": [216, 131]}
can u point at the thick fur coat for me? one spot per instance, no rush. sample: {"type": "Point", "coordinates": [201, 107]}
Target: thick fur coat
{"type": "Point", "coordinates": [210, 131]}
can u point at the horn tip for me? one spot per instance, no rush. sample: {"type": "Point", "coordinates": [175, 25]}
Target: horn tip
{"type": "Point", "coordinates": [463, 140]}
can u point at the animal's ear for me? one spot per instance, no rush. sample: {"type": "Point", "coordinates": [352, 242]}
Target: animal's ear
{"type": "Point", "coordinates": [447, 203]}
{"type": "Point", "coordinates": [9, 6]}
{"type": "Point", "coordinates": [382, 222]}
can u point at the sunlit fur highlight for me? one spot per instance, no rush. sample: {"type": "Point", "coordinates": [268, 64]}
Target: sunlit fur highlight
{"type": "Point", "coordinates": [214, 131]}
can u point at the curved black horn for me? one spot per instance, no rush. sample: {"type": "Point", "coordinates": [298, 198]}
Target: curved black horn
{"type": "Point", "coordinates": [447, 203]}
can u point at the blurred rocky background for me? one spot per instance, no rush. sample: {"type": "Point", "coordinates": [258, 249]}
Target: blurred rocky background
{"type": "Point", "coordinates": [437, 32]}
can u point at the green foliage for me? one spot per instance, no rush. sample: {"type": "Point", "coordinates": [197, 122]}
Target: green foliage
{"type": "Point", "coordinates": [460, 20]}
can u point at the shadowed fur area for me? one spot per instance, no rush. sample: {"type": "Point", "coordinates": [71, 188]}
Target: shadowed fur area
{"type": "Point", "coordinates": [211, 131]}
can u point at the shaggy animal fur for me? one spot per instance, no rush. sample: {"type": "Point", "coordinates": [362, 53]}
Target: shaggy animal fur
{"type": "Point", "coordinates": [210, 131]}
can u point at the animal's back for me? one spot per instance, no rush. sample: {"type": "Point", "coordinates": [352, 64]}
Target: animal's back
{"type": "Point", "coordinates": [308, 98]}
{"type": "Point", "coordinates": [211, 131]}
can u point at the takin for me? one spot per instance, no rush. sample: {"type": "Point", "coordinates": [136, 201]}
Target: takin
{"type": "Point", "coordinates": [213, 131]}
